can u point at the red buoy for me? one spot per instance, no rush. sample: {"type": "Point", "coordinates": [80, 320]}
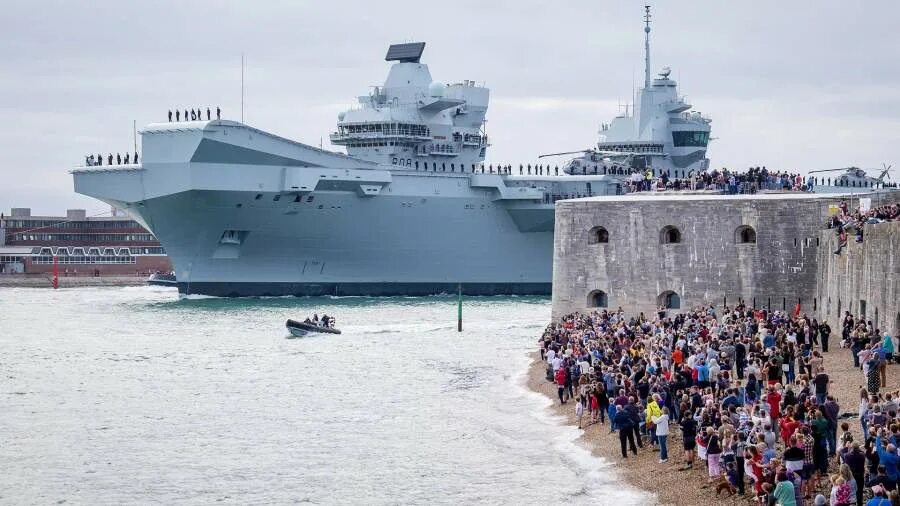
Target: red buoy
{"type": "Point", "coordinates": [55, 280]}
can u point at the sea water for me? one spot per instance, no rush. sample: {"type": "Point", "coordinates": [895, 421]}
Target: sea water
{"type": "Point", "coordinates": [134, 395]}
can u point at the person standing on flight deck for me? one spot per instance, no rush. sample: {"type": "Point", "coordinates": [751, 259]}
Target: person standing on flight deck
{"type": "Point", "coordinates": [170, 115]}
{"type": "Point", "coordinates": [208, 115]}
{"type": "Point", "coordinates": [218, 113]}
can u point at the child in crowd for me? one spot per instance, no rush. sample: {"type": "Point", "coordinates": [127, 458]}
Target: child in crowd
{"type": "Point", "coordinates": [579, 409]}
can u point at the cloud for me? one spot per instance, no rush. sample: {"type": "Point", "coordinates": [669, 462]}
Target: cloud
{"type": "Point", "coordinates": [550, 103]}
{"type": "Point", "coordinates": [786, 85]}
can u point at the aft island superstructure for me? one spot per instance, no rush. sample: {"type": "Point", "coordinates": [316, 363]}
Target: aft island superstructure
{"type": "Point", "coordinates": [410, 210]}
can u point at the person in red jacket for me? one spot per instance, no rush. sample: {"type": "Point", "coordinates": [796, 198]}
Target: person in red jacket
{"type": "Point", "coordinates": [773, 399]}
{"type": "Point", "coordinates": [561, 384]}
{"type": "Point", "coordinates": [788, 425]}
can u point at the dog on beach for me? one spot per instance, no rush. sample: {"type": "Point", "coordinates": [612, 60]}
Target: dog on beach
{"type": "Point", "coordinates": [724, 484]}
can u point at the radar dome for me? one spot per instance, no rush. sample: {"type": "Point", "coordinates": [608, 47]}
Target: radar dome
{"type": "Point", "coordinates": [341, 116]}
{"type": "Point", "coordinates": [436, 89]}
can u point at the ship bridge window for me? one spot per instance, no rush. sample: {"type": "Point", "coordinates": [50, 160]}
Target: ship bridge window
{"type": "Point", "coordinates": [599, 235]}
{"type": "Point", "coordinates": [745, 235]}
{"type": "Point", "coordinates": [670, 235]}
{"type": "Point", "coordinates": [686, 138]}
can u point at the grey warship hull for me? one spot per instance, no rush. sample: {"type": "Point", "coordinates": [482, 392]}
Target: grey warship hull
{"type": "Point", "coordinates": [245, 213]}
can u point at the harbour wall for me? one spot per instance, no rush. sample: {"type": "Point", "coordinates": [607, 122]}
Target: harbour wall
{"type": "Point", "coordinates": [679, 251]}
{"type": "Point", "coordinates": [43, 281]}
{"type": "Point", "coordinates": [864, 279]}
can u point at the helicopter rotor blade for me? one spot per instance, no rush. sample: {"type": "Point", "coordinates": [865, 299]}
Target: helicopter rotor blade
{"type": "Point", "coordinates": [565, 153]}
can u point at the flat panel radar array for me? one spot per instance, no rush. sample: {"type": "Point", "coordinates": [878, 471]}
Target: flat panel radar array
{"type": "Point", "coordinates": [410, 52]}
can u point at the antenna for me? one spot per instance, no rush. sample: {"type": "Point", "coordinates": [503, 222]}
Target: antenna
{"type": "Point", "coordinates": [646, 46]}
{"type": "Point", "coordinates": [242, 87]}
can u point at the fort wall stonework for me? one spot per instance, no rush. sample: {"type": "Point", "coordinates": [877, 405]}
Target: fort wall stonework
{"type": "Point", "coordinates": [642, 251]}
{"type": "Point", "coordinates": [864, 279]}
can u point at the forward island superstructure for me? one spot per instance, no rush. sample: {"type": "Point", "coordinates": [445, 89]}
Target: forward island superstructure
{"type": "Point", "coordinates": [660, 133]}
{"type": "Point", "coordinates": [410, 210]}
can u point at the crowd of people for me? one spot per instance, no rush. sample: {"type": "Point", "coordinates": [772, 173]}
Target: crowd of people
{"type": "Point", "coordinates": [747, 392]}
{"type": "Point", "coordinates": [94, 161]}
{"type": "Point", "coordinates": [194, 114]}
{"type": "Point", "coordinates": [729, 181]}
{"type": "Point", "coordinates": [845, 222]}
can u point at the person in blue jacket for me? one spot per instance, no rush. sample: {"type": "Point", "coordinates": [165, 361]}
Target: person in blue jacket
{"type": "Point", "coordinates": [887, 456]}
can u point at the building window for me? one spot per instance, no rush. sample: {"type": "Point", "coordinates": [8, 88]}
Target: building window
{"type": "Point", "coordinates": [745, 235]}
{"type": "Point", "coordinates": [597, 298]}
{"type": "Point", "coordinates": [670, 235]}
{"type": "Point", "coordinates": [669, 300]}
{"type": "Point", "coordinates": [599, 235]}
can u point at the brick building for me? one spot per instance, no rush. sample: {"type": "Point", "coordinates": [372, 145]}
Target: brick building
{"type": "Point", "coordinates": [83, 246]}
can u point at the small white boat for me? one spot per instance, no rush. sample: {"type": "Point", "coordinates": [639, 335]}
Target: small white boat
{"type": "Point", "coordinates": [302, 329]}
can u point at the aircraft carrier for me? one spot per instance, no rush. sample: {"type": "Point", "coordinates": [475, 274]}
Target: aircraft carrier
{"type": "Point", "coordinates": [411, 209]}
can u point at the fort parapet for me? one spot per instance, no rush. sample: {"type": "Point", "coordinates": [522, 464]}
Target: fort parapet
{"type": "Point", "coordinates": [644, 251]}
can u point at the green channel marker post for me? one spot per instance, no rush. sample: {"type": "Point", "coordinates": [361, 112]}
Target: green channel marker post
{"type": "Point", "coordinates": [459, 310]}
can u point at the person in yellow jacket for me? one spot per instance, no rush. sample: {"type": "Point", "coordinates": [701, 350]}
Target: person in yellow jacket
{"type": "Point", "coordinates": [648, 179]}
{"type": "Point", "coordinates": [653, 411]}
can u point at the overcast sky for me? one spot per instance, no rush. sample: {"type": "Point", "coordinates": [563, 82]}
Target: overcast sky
{"type": "Point", "coordinates": [800, 85]}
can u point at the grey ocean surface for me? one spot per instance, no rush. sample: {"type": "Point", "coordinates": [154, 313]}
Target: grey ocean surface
{"type": "Point", "coordinates": [130, 395]}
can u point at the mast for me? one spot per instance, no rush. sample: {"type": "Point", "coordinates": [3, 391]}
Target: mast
{"type": "Point", "coordinates": [646, 46]}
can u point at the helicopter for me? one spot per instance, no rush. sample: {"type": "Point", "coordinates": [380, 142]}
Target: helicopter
{"type": "Point", "coordinates": [856, 177]}
{"type": "Point", "coordinates": [596, 161]}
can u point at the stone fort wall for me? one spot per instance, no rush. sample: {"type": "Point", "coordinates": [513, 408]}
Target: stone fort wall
{"type": "Point", "coordinates": [864, 279]}
{"type": "Point", "coordinates": [643, 251]}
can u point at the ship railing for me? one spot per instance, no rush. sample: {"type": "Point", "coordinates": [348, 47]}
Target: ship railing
{"type": "Point", "coordinates": [339, 137]}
